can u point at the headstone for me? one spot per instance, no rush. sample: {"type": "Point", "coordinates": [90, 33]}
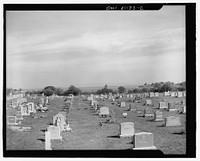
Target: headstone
{"type": "Point", "coordinates": [149, 102]}
{"type": "Point", "coordinates": [158, 116]}
{"type": "Point", "coordinates": [31, 108]}
{"type": "Point", "coordinates": [42, 101]}
{"type": "Point", "coordinates": [148, 112]}
{"type": "Point", "coordinates": [54, 132]}
{"type": "Point", "coordinates": [172, 94]}
{"type": "Point", "coordinates": [143, 140]}
{"type": "Point", "coordinates": [11, 120]}
{"type": "Point", "coordinates": [163, 105]}
{"type": "Point", "coordinates": [184, 102]}
{"type": "Point", "coordinates": [123, 104]}
{"type": "Point", "coordinates": [172, 121]}
{"type": "Point", "coordinates": [140, 113]}
{"type": "Point", "coordinates": [47, 140]}
{"type": "Point", "coordinates": [156, 94]}
{"type": "Point", "coordinates": [127, 129]}
{"type": "Point", "coordinates": [180, 94]}
{"type": "Point", "coordinates": [19, 115]}
{"type": "Point", "coordinates": [104, 111]}
{"type": "Point", "coordinates": [184, 109]}
{"type": "Point", "coordinates": [59, 120]}
{"type": "Point", "coordinates": [171, 105]}
{"type": "Point", "coordinates": [151, 94]}
{"type": "Point", "coordinates": [166, 93]}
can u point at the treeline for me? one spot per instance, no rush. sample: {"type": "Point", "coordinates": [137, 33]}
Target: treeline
{"type": "Point", "coordinates": [154, 87]}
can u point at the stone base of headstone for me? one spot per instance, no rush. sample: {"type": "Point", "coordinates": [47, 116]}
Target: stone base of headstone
{"type": "Point", "coordinates": [122, 136]}
{"type": "Point", "coordinates": [163, 109]}
{"type": "Point", "coordinates": [140, 113]}
{"type": "Point", "coordinates": [159, 120]}
{"type": "Point", "coordinates": [149, 115]}
{"type": "Point", "coordinates": [146, 148]}
{"type": "Point", "coordinates": [176, 130]}
{"type": "Point", "coordinates": [171, 110]}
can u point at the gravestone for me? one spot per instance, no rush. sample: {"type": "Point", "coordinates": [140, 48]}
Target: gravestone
{"type": "Point", "coordinates": [166, 93]}
{"type": "Point", "coordinates": [151, 94]}
{"type": "Point", "coordinates": [42, 101]}
{"type": "Point", "coordinates": [173, 121]}
{"type": "Point", "coordinates": [184, 109]}
{"type": "Point", "coordinates": [140, 113]}
{"type": "Point", "coordinates": [104, 111]}
{"type": "Point", "coordinates": [156, 94]}
{"type": "Point", "coordinates": [59, 120]}
{"type": "Point", "coordinates": [179, 94]}
{"type": "Point", "coordinates": [158, 116]}
{"type": "Point", "coordinates": [172, 94]}
{"type": "Point", "coordinates": [171, 105]}
{"type": "Point", "coordinates": [54, 132]}
{"type": "Point", "coordinates": [31, 108]}
{"type": "Point", "coordinates": [163, 105]}
{"type": "Point", "coordinates": [19, 115]}
{"type": "Point", "coordinates": [123, 104]}
{"type": "Point", "coordinates": [127, 129]}
{"type": "Point", "coordinates": [184, 102]}
{"type": "Point", "coordinates": [143, 140]}
{"type": "Point", "coordinates": [47, 141]}
{"type": "Point", "coordinates": [11, 120]}
{"type": "Point", "coordinates": [24, 110]}
{"type": "Point", "coordinates": [149, 102]}
{"type": "Point", "coordinates": [148, 112]}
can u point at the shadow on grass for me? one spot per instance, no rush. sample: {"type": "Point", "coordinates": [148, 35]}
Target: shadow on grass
{"type": "Point", "coordinates": [43, 130]}
{"type": "Point", "coordinates": [130, 143]}
{"type": "Point", "coordinates": [149, 120]}
{"type": "Point", "coordinates": [42, 140]}
{"type": "Point", "coordinates": [161, 125]}
{"type": "Point", "coordinates": [114, 136]}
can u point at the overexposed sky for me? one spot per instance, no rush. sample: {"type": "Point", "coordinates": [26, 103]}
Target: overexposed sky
{"type": "Point", "coordinates": [94, 48]}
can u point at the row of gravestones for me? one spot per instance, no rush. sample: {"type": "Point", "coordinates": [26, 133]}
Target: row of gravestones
{"type": "Point", "coordinates": [162, 105]}
{"type": "Point", "coordinates": [169, 106]}
{"type": "Point", "coordinates": [144, 140]}
{"type": "Point", "coordinates": [60, 124]}
{"type": "Point", "coordinates": [22, 110]}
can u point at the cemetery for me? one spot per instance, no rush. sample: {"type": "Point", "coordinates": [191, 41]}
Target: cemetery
{"type": "Point", "coordinates": [95, 122]}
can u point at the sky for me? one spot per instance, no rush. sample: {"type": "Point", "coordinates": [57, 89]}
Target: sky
{"type": "Point", "coordinates": [94, 48]}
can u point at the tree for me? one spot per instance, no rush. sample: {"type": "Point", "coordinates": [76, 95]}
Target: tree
{"type": "Point", "coordinates": [73, 90]}
{"type": "Point", "coordinates": [121, 89]}
{"type": "Point", "coordinates": [59, 91]}
{"type": "Point", "coordinates": [49, 90]}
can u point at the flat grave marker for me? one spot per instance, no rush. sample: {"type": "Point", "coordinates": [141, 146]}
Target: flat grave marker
{"type": "Point", "coordinates": [11, 120]}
